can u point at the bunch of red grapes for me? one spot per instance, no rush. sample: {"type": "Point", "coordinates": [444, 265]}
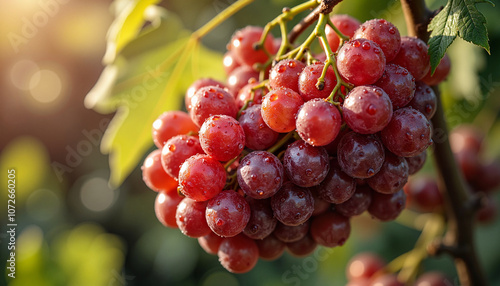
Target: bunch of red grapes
{"type": "Point", "coordinates": [282, 158]}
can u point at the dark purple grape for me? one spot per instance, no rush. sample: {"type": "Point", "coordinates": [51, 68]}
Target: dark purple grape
{"type": "Point", "coordinates": [386, 207]}
{"type": "Point", "coordinates": [262, 222]}
{"type": "Point", "coordinates": [258, 136]}
{"type": "Point", "coordinates": [292, 205]}
{"type": "Point", "coordinates": [398, 83]}
{"type": "Point", "coordinates": [330, 229]}
{"type": "Point", "coordinates": [260, 174]}
{"type": "Point", "coordinates": [288, 233]}
{"type": "Point", "coordinates": [416, 162]}
{"type": "Point", "coordinates": [392, 176]}
{"type": "Point", "coordinates": [357, 203]}
{"type": "Point", "coordinates": [408, 133]}
{"type": "Point", "coordinates": [360, 156]}
{"type": "Point", "coordinates": [337, 187]}
{"type": "Point", "coordinates": [305, 165]}
{"type": "Point", "coordinates": [302, 247]}
{"type": "Point", "coordinates": [424, 100]}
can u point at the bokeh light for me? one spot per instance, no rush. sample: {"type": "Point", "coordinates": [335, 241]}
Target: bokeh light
{"type": "Point", "coordinates": [96, 195]}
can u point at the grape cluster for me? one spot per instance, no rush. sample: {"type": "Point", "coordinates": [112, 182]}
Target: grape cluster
{"type": "Point", "coordinates": [287, 150]}
{"type": "Point", "coordinates": [467, 143]}
{"type": "Point", "coordinates": [368, 269]}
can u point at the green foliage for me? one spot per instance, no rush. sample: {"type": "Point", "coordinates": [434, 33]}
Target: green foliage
{"type": "Point", "coordinates": [147, 73]}
{"type": "Point", "coordinates": [458, 18]}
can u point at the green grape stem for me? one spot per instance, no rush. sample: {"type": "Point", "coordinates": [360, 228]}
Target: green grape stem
{"type": "Point", "coordinates": [459, 238]}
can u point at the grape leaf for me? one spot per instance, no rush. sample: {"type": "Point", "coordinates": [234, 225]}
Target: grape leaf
{"type": "Point", "coordinates": [149, 76]}
{"type": "Point", "coordinates": [458, 18]}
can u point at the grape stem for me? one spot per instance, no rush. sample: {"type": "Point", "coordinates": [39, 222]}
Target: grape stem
{"type": "Point", "coordinates": [459, 238]}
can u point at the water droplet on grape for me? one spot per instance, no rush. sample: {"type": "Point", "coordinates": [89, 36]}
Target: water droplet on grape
{"type": "Point", "coordinates": [206, 94]}
{"type": "Point", "coordinates": [253, 177]}
{"type": "Point", "coordinates": [409, 136]}
{"type": "Point", "coordinates": [370, 172]}
{"type": "Point", "coordinates": [274, 97]}
{"type": "Point", "coordinates": [392, 30]}
{"type": "Point", "coordinates": [428, 108]}
{"type": "Point", "coordinates": [254, 228]}
{"type": "Point", "coordinates": [219, 222]}
{"type": "Point", "coordinates": [309, 172]}
{"type": "Point", "coordinates": [297, 216]}
{"type": "Point", "coordinates": [259, 192]}
{"type": "Point", "coordinates": [366, 46]}
{"type": "Point", "coordinates": [356, 44]}
{"type": "Point", "coordinates": [218, 202]}
{"type": "Point", "coordinates": [292, 64]}
{"type": "Point", "coordinates": [171, 147]}
{"type": "Point", "coordinates": [376, 50]}
{"type": "Point", "coordinates": [239, 207]}
{"type": "Point", "coordinates": [372, 110]}
{"type": "Point", "coordinates": [361, 154]}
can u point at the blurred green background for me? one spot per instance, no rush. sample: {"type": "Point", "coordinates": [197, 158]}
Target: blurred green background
{"type": "Point", "coordinates": [72, 229]}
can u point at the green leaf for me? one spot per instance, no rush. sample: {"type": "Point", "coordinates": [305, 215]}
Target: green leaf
{"type": "Point", "coordinates": [144, 97]}
{"type": "Point", "coordinates": [126, 26]}
{"type": "Point", "coordinates": [458, 18]}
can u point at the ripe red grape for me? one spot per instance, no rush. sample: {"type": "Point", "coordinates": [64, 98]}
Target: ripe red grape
{"type": "Point", "coordinates": [346, 24]}
{"type": "Point", "coordinates": [424, 100]}
{"type": "Point", "coordinates": [308, 80]}
{"type": "Point", "coordinates": [361, 62]}
{"type": "Point", "coordinates": [258, 136]}
{"type": "Point", "coordinates": [230, 62]}
{"type": "Point", "coordinates": [360, 156]}
{"type": "Point", "coordinates": [288, 233]}
{"type": "Point", "coordinates": [367, 109]}
{"type": "Point", "coordinates": [392, 176]}
{"type": "Point", "coordinates": [466, 138]}
{"type": "Point", "coordinates": [242, 45]}
{"type": "Point", "coordinates": [210, 242]}
{"type": "Point", "coordinates": [247, 95]}
{"type": "Point", "coordinates": [193, 88]}
{"type": "Point", "coordinates": [227, 213]}
{"type": "Point", "coordinates": [292, 205]}
{"type": "Point", "coordinates": [399, 85]}
{"type": "Point", "coordinates": [211, 100]}
{"type": "Point", "coordinates": [337, 187]}
{"type": "Point", "coordinates": [240, 77]}
{"type": "Point", "coordinates": [154, 176]}
{"type": "Point", "coordinates": [222, 137]}
{"type": "Point", "coordinates": [262, 221]}
{"type": "Point", "coordinates": [357, 203]}
{"type": "Point", "coordinates": [416, 162]}
{"type": "Point", "coordinates": [386, 207]}
{"type": "Point", "coordinates": [413, 56]}
{"type": "Point", "coordinates": [238, 254]}
{"type": "Point", "coordinates": [176, 151]}
{"type": "Point", "coordinates": [408, 133]}
{"type": "Point", "coordinates": [170, 124]}
{"type": "Point", "coordinates": [286, 74]}
{"type": "Point", "coordinates": [279, 109]}
{"type": "Point", "coordinates": [260, 174]}
{"type": "Point", "coordinates": [389, 279]}
{"type": "Point", "coordinates": [270, 247]}
{"type": "Point", "coordinates": [302, 247]}
{"type": "Point", "coordinates": [318, 122]}
{"type": "Point", "coordinates": [166, 207]}
{"type": "Point", "coordinates": [382, 32]}
{"type": "Point", "coordinates": [433, 278]}
{"type": "Point", "coordinates": [305, 165]}
{"type": "Point", "coordinates": [201, 177]}
{"type": "Point", "coordinates": [190, 217]}
{"type": "Point", "coordinates": [330, 229]}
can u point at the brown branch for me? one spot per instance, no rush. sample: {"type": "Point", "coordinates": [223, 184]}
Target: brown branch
{"type": "Point", "coordinates": [459, 238]}
{"type": "Point", "coordinates": [325, 7]}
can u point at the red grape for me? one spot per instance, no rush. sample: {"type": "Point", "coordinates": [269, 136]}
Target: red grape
{"type": "Point", "coordinates": [193, 88]}
{"type": "Point", "coordinates": [176, 151]}
{"type": "Point", "coordinates": [392, 176]}
{"type": "Point", "coordinates": [166, 207]}
{"type": "Point", "coordinates": [242, 45]}
{"type": "Point", "coordinates": [258, 136]}
{"type": "Point", "coordinates": [262, 221]}
{"type": "Point", "coordinates": [337, 187]}
{"type": "Point", "coordinates": [292, 205]}
{"type": "Point", "coordinates": [211, 100]}
{"type": "Point", "coordinates": [363, 266]}
{"type": "Point", "coordinates": [238, 254]}
{"type": "Point", "coordinates": [222, 137]}
{"type": "Point", "coordinates": [190, 218]}
{"type": "Point", "coordinates": [357, 203]}
{"type": "Point", "coordinates": [399, 85]}
{"type": "Point", "coordinates": [227, 213]}
{"type": "Point", "coordinates": [288, 233]}
{"type": "Point", "coordinates": [346, 24]}
{"type": "Point", "coordinates": [201, 177]}
{"type": "Point", "coordinates": [308, 80]}
{"type": "Point", "coordinates": [386, 207]}
{"type": "Point", "coordinates": [330, 229]}
{"type": "Point", "coordinates": [382, 32]}
{"type": "Point", "coordinates": [270, 248]}
{"type": "Point", "coordinates": [441, 72]}
{"type": "Point", "coordinates": [302, 247]}
{"type": "Point", "coordinates": [424, 100]}
{"type": "Point", "coordinates": [305, 165]}
{"type": "Point", "coordinates": [240, 77]}
{"type": "Point", "coordinates": [260, 174]}
{"type": "Point", "coordinates": [279, 109]}
{"type": "Point", "coordinates": [286, 74]}
{"type": "Point", "coordinates": [154, 176]}
{"type": "Point", "coordinates": [423, 194]}
{"type": "Point", "coordinates": [361, 62]}
{"type": "Point", "coordinates": [413, 56]}
{"type": "Point", "coordinates": [360, 156]}
{"type": "Point", "coordinates": [170, 124]}
{"type": "Point", "coordinates": [210, 242]}
{"type": "Point", "coordinates": [367, 109]}
{"type": "Point", "coordinates": [318, 122]}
